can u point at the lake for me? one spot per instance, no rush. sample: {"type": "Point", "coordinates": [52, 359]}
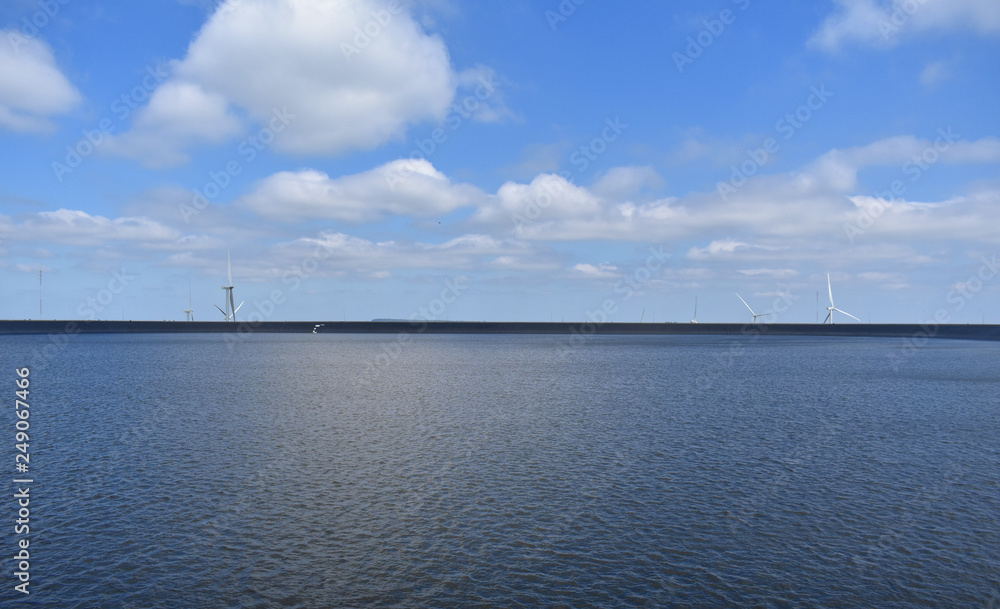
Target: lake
{"type": "Point", "coordinates": [507, 471]}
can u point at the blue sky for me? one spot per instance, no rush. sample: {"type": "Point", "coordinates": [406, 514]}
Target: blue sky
{"type": "Point", "coordinates": [524, 160]}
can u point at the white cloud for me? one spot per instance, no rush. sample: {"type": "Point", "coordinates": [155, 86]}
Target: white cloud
{"type": "Point", "coordinates": [624, 182]}
{"type": "Point", "coordinates": [935, 73]}
{"type": "Point", "coordinates": [838, 169]}
{"type": "Point", "coordinates": [337, 252]}
{"type": "Point", "coordinates": [74, 227]}
{"type": "Point", "coordinates": [726, 249]}
{"type": "Point", "coordinates": [403, 187]}
{"type": "Point", "coordinates": [811, 203]}
{"type": "Point", "coordinates": [179, 114]}
{"type": "Point", "coordinates": [882, 23]}
{"type": "Point", "coordinates": [312, 60]}
{"type": "Point", "coordinates": [32, 88]}
{"type": "Point", "coordinates": [769, 273]}
{"type": "Point", "coordinates": [603, 270]}
{"type": "Point", "coordinates": [548, 195]}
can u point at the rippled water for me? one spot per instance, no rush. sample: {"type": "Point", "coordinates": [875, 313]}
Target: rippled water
{"type": "Point", "coordinates": [509, 471]}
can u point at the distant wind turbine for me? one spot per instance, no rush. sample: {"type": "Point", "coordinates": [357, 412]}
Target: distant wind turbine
{"type": "Point", "coordinates": [832, 308]}
{"type": "Point", "coordinates": [694, 320]}
{"type": "Point", "coordinates": [230, 303]}
{"type": "Point", "coordinates": [190, 309]}
{"type": "Point", "coordinates": [755, 315]}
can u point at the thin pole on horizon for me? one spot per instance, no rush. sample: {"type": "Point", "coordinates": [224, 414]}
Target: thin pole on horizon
{"type": "Point", "coordinates": [39, 294]}
{"type": "Point", "coordinates": [817, 307]}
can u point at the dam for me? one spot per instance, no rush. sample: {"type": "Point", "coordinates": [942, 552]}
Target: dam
{"type": "Point", "coordinates": [915, 331]}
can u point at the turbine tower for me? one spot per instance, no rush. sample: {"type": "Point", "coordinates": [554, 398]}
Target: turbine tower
{"type": "Point", "coordinates": [190, 309]}
{"type": "Point", "coordinates": [755, 315]}
{"type": "Point", "coordinates": [231, 307]}
{"type": "Point", "coordinates": [832, 308]}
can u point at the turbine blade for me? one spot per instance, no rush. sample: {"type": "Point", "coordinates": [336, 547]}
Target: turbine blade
{"type": "Point", "coordinates": [745, 302]}
{"type": "Point", "coordinates": [846, 313]}
{"type": "Point", "coordinates": [224, 314]}
{"type": "Point", "coordinates": [237, 308]}
{"type": "Point", "coordinates": [828, 316]}
{"type": "Point", "coordinates": [829, 287]}
{"type": "Point", "coordinates": [229, 264]}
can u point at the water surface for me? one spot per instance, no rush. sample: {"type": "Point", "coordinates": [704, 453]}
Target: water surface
{"type": "Point", "coordinates": [510, 471]}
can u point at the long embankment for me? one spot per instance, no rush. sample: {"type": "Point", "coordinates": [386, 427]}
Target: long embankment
{"type": "Point", "coordinates": [954, 331]}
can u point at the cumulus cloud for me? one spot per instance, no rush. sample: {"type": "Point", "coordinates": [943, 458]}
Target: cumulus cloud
{"type": "Point", "coordinates": [403, 187]}
{"type": "Point", "coordinates": [881, 23]}
{"type": "Point", "coordinates": [809, 205]}
{"type": "Point", "coordinates": [179, 114]}
{"type": "Point", "coordinates": [351, 74]}
{"type": "Point", "coordinates": [624, 182]}
{"type": "Point", "coordinates": [548, 195]}
{"type": "Point", "coordinates": [816, 201]}
{"type": "Point", "coordinates": [32, 88]}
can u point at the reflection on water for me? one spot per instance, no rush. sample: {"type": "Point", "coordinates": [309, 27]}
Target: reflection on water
{"type": "Point", "coordinates": [509, 471]}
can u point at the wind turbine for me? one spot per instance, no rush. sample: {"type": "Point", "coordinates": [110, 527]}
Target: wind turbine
{"type": "Point", "coordinates": [695, 319]}
{"type": "Point", "coordinates": [831, 308]}
{"type": "Point", "coordinates": [230, 303]}
{"type": "Point", "coordinates": [755, 315]}
{"type": "Point", "coordinates": [190, 309]}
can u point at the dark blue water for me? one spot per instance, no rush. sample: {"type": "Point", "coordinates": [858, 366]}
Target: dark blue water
{"type": "Point", "coordinates": [507, 471]}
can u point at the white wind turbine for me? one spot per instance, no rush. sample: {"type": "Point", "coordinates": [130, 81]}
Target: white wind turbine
{"type": "Point", "coordinates": [755, 315]}
{"type": "Point", "coordinates": [230, 303]}
{"type": "Point", "coordinates": [190, 309]}
{"type": "Point", "coordinates": [832, 308]}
